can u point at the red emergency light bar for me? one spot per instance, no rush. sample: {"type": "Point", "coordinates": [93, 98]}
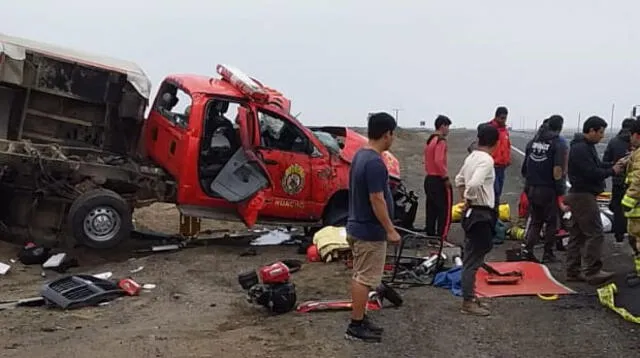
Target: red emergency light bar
{"type": "Point", "coordinates": [243, 83]}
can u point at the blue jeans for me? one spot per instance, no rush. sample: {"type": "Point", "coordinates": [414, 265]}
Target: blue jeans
{"type": "Point", "coordinates": [498, 183]}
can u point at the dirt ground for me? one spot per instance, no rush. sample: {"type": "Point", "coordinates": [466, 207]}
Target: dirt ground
{"type": "Point", "coordinates": [198, 308]}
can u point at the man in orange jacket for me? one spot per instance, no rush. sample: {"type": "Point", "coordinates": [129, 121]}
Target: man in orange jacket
{"type": "Point", "coordinates": [502, 153]}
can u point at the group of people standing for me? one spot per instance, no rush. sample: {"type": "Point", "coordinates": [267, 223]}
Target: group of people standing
{"type": "Point", "coordinates": [548, 162]}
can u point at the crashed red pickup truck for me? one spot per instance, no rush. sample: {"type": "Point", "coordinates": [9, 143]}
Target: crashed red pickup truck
{"type": "Point", "coordinates": [269, 165]}
{"type": "Point", "coordinates": [77, 154]}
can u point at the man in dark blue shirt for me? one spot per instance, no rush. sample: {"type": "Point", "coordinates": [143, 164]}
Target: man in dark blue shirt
{"type": "Point", "coordinates": [370, 224]}
{"type": "Point", "coordinates": [543, 170]}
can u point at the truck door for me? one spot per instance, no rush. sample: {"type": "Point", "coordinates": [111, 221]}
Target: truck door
{"type": "Point", "coordinates": [242, 179]}
{"type": "Point", "coordinates": [166, 127]}
{"type": "Point", "coordinates": [286, 151]}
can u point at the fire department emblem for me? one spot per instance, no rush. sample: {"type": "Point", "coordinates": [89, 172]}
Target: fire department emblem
{"type": "Point", "coordinates": [293, 180]}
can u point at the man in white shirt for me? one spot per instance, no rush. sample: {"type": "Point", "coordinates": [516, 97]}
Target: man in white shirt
{"type": "Point", "coordinates": [475, 184]}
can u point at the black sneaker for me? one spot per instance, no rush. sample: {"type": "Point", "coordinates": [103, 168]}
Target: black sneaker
{"type": "Point", "coordinates": [528, 256]}
{"type": "Point", "coordinates": [366, 321]}
{"type": "Point", "coordinates": [362, 333]}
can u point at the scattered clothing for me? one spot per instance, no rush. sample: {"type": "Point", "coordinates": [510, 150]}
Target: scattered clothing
{"type": "Point", "coordinates": [330, 241]}
{"type": "Point", "coordinates": [450, 279]}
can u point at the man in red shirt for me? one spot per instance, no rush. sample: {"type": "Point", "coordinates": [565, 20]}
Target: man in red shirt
{"type": "Point", "coordinates": [502, 153]}
{"type": "Point", "coordinates": [436, 182]}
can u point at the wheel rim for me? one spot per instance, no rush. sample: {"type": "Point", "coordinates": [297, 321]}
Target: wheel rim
{"type": "Point", "coordinates": [102, 223]}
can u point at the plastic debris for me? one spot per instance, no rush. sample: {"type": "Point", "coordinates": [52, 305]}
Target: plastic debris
{"type": "Point", "coordinates": [137, 269]}
{"type": "Point", "coordinates": [274, 237]}
{"type": "Point", "coordinates": [4, 268]}
{"type": "Point", "coordinates": [104, 275]}
{"type": "Point", "coordinates": [54, 261]}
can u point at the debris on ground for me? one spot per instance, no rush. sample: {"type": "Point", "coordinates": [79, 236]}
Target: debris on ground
{"type": "Point", "coordinates": [331, 243]}
{"type": "Point", "coordinates": [273, 237]}
{"type": "Point", "coordinates": [270, 286]}
{"type": "Point", "coordinates": [76, 291]}
{"type": "Point", "coordinates": [54, 261]}
{"type": "Point", "coordinates": [32, 254]}
{"type": "Point", "coordinates": [4, 268]}
{"type": "Point", "coordinates": [136, 270]}
{"type": "Point", "coordinates": [25, 302]}
{"type": "Point", "coordinates": [104, 275]}
{"type": "Point", "coordinates": [131, 287]}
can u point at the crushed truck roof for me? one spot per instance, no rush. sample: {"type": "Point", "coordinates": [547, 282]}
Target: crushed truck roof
{"type": "Point", "coordinates": [16, 48]}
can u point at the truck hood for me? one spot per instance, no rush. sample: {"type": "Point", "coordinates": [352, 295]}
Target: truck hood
{"type": "Point", "coordinates": [354, 141]}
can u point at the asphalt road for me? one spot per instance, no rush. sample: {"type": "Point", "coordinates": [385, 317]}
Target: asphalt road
{"type": "Point", "coordinates": [519, 141]}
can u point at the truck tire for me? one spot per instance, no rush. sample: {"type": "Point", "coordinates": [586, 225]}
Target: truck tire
{"type": "Point", "coordinates": [100, 219]}
{"type": "Point", "coordinates": [336, 213]}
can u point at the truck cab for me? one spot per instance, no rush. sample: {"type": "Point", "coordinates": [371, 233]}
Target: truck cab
{"type": "Point", "coordinates": [236, 152]}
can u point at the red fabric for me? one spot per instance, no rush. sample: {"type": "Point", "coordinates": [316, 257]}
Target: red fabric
{"type": "Point", "coordinates": [435, 156]}
{"type": "Point", "coordinates": [536, 279]}
{"type": "Point", "coordinates": [502, 153]}
{"type": "Point", "coordinates": [249, 210]}
{"type": "Point", "coordinates": [523, 205]}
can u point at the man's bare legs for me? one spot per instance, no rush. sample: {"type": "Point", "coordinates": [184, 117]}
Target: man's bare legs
{"type": "Point", "coordinates": [359, 298]}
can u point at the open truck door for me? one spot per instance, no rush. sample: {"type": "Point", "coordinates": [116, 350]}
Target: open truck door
{"type": "Point", "coordinates": [244, 177]}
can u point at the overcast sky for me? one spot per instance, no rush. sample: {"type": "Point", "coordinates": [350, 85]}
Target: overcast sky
{"type": "Point", "coordinates": [338, 60]}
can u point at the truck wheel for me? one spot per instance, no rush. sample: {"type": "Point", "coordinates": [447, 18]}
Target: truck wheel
{"type": "Point", "coordinates": [336, 215]}
{"type": "Point", "coordinates": [100, 219]}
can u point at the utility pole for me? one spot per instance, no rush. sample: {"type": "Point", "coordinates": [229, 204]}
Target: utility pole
{"type": "Point", "coordinates": [396, 110]}
{"type": "Point", "coordinates": [613, 108]}
{"type": "Point", "coordinates": [579, 114]}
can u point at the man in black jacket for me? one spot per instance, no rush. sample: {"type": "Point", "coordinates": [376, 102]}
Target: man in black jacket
{"type": "Point", "coordinates": [617, 148]}
{"type": "Point", "coordinates": [587, 174]}
{"type": "Point", "coordinates": [543, 170]}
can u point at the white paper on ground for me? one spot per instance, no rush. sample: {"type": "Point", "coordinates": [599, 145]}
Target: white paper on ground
{"type": "Point", "coordinates": [104, 275]}
{"type": "Point", "coordinates": [4, 268]}
{"type": "Point", "coordinates": [274, 237]}
{"type": "Point", "coordinates": [54, 261]}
